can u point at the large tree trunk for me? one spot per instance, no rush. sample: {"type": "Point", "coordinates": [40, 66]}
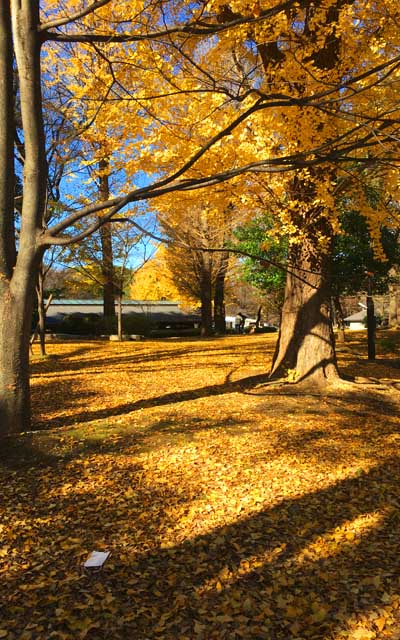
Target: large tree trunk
{"type": "Point", "coordinates": [15, 328]}
{"type": "Point", "coordinates": [18, 272]}
{"type": "Point", "coordinates": [305, 349]}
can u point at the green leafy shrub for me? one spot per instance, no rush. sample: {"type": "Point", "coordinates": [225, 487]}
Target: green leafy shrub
{"type": "Point", "coordinates": [136, 324]}
{"type": "Point", "coordinates": [387, 345]}
{"type": "Point", "coordinates": [79, 324]}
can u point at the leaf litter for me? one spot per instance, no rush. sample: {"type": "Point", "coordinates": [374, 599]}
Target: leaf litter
{"type": "Point", "coordinates": [231, 510]}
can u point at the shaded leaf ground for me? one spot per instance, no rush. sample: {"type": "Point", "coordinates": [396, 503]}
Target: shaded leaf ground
{"type": "Point", "coordinates": [232, 510]}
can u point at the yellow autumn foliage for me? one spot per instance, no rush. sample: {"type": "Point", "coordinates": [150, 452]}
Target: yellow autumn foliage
{"type": "Point", "coordinates": [154, 281]}
{"type": "Point", "coordinates": [298, 83]}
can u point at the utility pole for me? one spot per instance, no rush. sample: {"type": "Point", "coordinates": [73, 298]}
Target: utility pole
{"type": "Point", "coordinates": [370, 317]}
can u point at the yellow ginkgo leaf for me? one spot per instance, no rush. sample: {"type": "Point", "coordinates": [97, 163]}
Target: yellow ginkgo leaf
{"type": "Point", "coordinates": [362, 633]}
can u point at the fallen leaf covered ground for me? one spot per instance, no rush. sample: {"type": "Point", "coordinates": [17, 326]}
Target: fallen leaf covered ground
{"type": "Point", "coordinates": [232, 509]}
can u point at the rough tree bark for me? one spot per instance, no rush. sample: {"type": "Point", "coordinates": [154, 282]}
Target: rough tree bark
{"type": "Point", "coordinates": [306, 346]}
{"type": "Point", "coordinates": [305, 349]}
{"type": "Point", "coordinates": [18, 272]}
{"type": "Point", "coordinates": [15, 328]}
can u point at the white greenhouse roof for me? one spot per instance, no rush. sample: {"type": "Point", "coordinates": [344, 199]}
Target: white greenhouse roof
{"type": "Point", "coordinates": [357, 317]}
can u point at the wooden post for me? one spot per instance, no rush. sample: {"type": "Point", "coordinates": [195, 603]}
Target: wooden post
{"type": "Point", "coordinates": [119, 315]}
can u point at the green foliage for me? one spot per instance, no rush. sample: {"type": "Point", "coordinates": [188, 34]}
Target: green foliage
{"type": "Point", "coordinates": [353, 255]}
{"type": "Point", "coordinates": [136, 324]}
{"type": "Point", "coordinates": [388, 345]}
{"type": "Point", "coordinates": [79, 324]}
{"type": "Point", "coordinates": [93, 324]}
{"type": "Point", "coordinates": [254, 238]}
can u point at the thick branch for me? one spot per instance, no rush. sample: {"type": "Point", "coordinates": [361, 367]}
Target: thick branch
{"type": "Point", "coordinates": [154, 191]}
{"type": "Point", "coordinates": [196, 28]}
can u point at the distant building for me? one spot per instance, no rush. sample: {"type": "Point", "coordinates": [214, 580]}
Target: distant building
{"type": "Point", "coordinates": [356, 321]}
{"type": "Point", "coordinates": [161, 314]}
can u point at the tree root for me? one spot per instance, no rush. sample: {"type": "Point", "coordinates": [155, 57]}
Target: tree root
{"type": "Point", "coordinates": [318, 388]}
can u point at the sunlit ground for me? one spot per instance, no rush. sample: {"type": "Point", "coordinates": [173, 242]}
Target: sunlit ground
{"type": "Point", "coordinates": [231, 510]}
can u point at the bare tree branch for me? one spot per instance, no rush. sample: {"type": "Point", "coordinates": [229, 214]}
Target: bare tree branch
{"type": "Point", "coordinates": [229, 249]}
{"type": "Point", "coordinates": [52, 24]}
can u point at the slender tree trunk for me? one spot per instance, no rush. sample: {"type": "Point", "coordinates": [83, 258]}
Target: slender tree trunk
{"type": "Point", "coordinates": [107, 256]}
{"type": "Point", "coordinates": [206, 295]}
{"type": "Point", "coordinates": [258, 319]}
{"type": "Point", "coordinates": [305, 349]}
{"type": "Point", "coordinates": [119, 317]}
{"type": "Point", "coordinates": [36, 332]}
{"type": "Point", "coordinates": [340, 319]}
{"type": "Point", "coordinates": [8, 254]}
{"type": "Point", "coordinates": [398, 307]}
{"type": "Point", "coordinates": [219, 296]}
{"type": "Point", "coordinates": [41, 313]}
{"type": "Point", "coordinates": [394, 308]}
{"type": "Point", "coordinates": [107, 269]}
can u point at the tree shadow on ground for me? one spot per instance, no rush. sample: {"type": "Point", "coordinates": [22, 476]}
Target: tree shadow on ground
{"type": "Point", "coordinates": [284, 399]}
{"type": "Point", "coordinates": [57, 363]}
{"type": "Point", "coordinates": [69, 394]}
{"type": "Point", "coordinates": [165, 399]}
{"type": "Point", "coordinates": [19, 452]}
{"type": "Point", "coordinates": [358, 421]}
{"type": "Point", "coordinates": [40, 449]}
{"type": "Point", "coordinates": [280, 573]}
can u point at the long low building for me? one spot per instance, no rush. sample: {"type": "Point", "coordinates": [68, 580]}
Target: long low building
{"type": "Point", "coordinates": [160, 313]}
